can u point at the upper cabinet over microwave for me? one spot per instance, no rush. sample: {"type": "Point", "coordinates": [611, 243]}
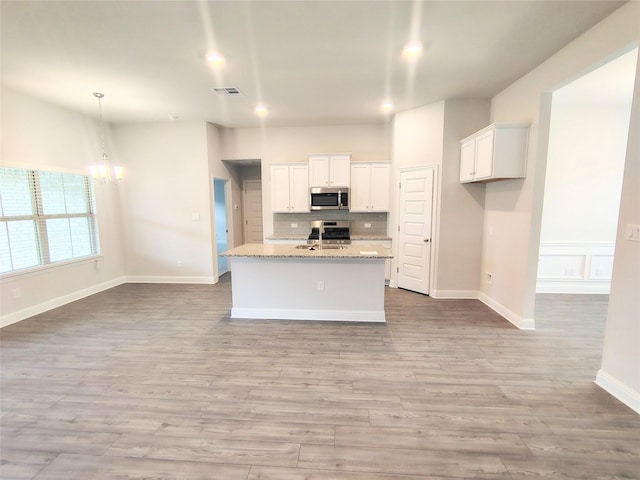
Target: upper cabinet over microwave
{"type": "Point", "coordinates": [329, 170]}
{"type": "Point", "coordinates": [497, 151]}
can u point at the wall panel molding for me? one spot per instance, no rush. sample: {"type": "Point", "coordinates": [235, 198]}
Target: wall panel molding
{"type": "Point", "coordinates": [575, 267]}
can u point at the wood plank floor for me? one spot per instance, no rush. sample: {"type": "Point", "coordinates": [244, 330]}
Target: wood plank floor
{"type": "Point", "coordinates": [157, 382]}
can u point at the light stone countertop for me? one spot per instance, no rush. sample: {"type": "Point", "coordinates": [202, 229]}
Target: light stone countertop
{"type": "Point", "coordinates": [266, 250]}
{"type": "Point", "coordinates": [303, 238]}
{"type": "Point", "coordinates": [370, 237]}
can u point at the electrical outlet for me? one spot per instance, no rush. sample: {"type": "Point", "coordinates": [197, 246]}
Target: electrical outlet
{"type": "Point", "coordinates": [16, 292]}
{"type": "Point", "coordinates": [321, 285]}
{"type": "Point", "coordinates": [294, 225]}
{"type": "Point", "coordinates": [367, 225]}
{"type": "Point", "coordinates": [179, 263]}
{"type": "Point", "coordinates": [632, 232]}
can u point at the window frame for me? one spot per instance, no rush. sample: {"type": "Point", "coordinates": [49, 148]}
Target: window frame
{"type": "Point", "coordinates": [39, 218]}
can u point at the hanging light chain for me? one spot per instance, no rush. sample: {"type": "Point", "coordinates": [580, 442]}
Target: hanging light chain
{"type": "Point", "coordinates": [104, 171]}
{"type": "Point", "coordinates": [100, 96]}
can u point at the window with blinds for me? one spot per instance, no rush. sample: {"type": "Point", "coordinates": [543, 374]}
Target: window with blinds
{"type": "Point", "coordinates": [46, 217]}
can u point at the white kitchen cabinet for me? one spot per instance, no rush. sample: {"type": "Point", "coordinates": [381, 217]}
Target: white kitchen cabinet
{"type": "Point", "coordinates": [370, 187]}
{"type": "Point", "coordinates": [495, 152]}
{"type": "Point", "coordinates": [290, 188]}
{"type": "Point", "coordinates": [329, 170]}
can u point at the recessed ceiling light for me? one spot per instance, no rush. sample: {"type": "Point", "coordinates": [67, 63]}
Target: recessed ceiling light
{"type": "Point", "coordinates": [412, 49]}
{"type": "Point", "coordinates": [386, 106]}
{"type": "Point", "coordinates": [261, 110]}
{"type": "Point", "coordinates": [215, 58]}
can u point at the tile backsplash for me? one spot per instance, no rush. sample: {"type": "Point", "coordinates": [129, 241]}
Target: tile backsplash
{"type": "Point", "coordinates": [285, 223]}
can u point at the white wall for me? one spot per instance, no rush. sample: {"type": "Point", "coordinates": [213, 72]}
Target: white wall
{"type": "Point", "coordinates": [293, 144]}
{"type": "Point", "coordinates": [38, 135]}
{"type": "Point", "coordinates": [167, 182]}
{"type": "Point", "coordinates": [585, 163]}
{"type": "Point", "coordinates": [620, 371]}
{"type": "Point", "coordinates": [233, 192]}
{"type": "Point", "coordinates": [418, 136]}
{"type": "Point", "coordinates": [430, 135]}
{"type": "Point", "coordinates": [459, 242]}
{"type": "Point", "coordinates": [513, 208]}
{"type": "Point", "coordinates": [416, 141]}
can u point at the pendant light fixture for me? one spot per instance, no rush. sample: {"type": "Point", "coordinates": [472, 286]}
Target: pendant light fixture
{"type": "Point", "coordinates": [104, 171]}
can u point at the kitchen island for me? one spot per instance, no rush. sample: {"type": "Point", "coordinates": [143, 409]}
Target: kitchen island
{"type": "Point", "coordinates": [294, 282]}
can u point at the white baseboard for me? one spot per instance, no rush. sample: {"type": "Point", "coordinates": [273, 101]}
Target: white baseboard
{"type": "Point", "coordinates": [72, 297]}
{"type": "Point", "coordinates": [621, 391]}
{"type": "Point", "coordinates": [453, 294]}
{"type": "Point", "coordinates": [312, 315]}
{"type": "Point", "coordinates": [517, 320]}
{"type": "Point", "coordinates": [158, 279]}
{"type": "Point", "coordinates": [59, 301]}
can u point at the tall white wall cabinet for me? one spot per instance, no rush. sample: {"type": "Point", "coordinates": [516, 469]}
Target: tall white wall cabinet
{"type": "Point", "coordinates": [331, 170]}
{"type": "Point", "coordinates": [497, 151]}
{"type": "Point", "coordinates": [370, 187]}
{"type": "Point", "coordinates": [290, 188]}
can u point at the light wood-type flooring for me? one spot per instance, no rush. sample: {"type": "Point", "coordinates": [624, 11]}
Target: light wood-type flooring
{"type": "Point", "coordinates": [157, 382]}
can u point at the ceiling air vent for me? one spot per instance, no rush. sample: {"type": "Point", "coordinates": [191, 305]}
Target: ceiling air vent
{"type": "Point", "coordinates": [227, 91]}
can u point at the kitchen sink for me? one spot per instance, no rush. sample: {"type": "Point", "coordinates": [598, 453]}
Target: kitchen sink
{"type": "Point", "coordinates": [324, 247]}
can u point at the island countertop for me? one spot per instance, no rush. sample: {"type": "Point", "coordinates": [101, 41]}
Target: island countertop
{"type": "Point", "coordinates": [303, 238]}
{"type": "Point", "coordinates": [290, 251]}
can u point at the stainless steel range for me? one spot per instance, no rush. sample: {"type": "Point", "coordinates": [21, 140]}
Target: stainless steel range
{"type": "Point", "coordinates": [333, 232]}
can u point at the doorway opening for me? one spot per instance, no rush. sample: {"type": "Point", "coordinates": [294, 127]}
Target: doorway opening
{"type": "Point", "coordinates": [221, 227]}
{"type": "Point", "coordinates": [589, 126]}
{"type": "Point", "coordinates": [588, 131]}
{"type": "Point", "coordinates": [252, 211]}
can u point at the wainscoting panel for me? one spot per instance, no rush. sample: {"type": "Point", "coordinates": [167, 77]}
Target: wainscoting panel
{"type": "Point", "coordinates": [574, 267]}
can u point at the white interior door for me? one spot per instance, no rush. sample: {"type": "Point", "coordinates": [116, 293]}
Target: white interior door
{"type": "Point", "coordinates": [414, 239]}
{"type": "Point", "coordinates": [252, 211]}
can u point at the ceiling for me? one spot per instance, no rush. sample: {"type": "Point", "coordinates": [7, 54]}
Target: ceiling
{"type": "Point", "coordinates": [309, 62]}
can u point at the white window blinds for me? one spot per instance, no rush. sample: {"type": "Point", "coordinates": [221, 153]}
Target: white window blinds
{"type": "Point", "coordinates": [46, 217]}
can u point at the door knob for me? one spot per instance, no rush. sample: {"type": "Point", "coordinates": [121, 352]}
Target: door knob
{"type": "Point", "coordinates": [427, 240]}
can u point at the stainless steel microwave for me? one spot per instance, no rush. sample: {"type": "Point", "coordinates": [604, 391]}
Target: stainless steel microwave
{"type": "Point", "coordinates": [322, 198]}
